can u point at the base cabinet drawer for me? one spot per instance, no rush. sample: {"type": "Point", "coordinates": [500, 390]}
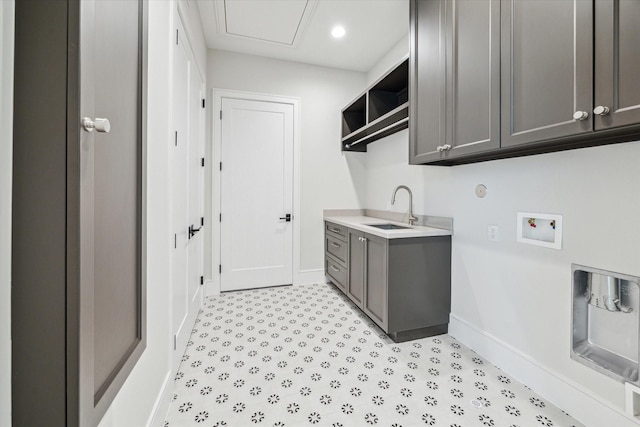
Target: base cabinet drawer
{"type": "Point", "coordinates": [335, 230]}
{"type": "Point", "coordinates": [337, 248]}
{"type": "Point", "coordinates": [337, 272]}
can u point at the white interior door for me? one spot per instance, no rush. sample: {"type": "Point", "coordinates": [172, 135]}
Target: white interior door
{"type": "Point", "coordinates": [186, 194]}
{"type": "Point", "coordinates": [256, 185]}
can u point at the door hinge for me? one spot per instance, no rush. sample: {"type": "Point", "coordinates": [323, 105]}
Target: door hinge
{"type": "Point", "coordinates": [175, 241]}
{"type": "Point", "coordinates": [201, 220]}
{"type": "Point", "coordinates": [203, 103]}
{"type": "Point", "coordinates": [220, 114]}
{"type": "Point", "coordinates": [202, 162]}
{"type": "Point", "coordinates": [220, 165]}
{"type": "Point", "coordinates": [175, 342]}
{"type": "Point", "coordinates": [202, 280]}
{"type": "Point", "coordinates": [220, 268]}
{"type": "Point", "coordinates": [176, 139]}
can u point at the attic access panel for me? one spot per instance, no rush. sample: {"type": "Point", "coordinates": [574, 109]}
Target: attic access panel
{"type": "Point", "coordinates": [275, 21]}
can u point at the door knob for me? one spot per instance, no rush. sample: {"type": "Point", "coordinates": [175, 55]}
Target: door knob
{"type": "Point", "coordinates": [100, 125]}
{"type": "Point", "coordinates": [580, 115]}
{"type": "Point", "coordinates": [601, 110]}
{"type": "Point", "coordinates": [286, 218]}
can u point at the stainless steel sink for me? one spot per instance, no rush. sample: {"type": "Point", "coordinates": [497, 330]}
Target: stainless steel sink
{"type": "Point", "coordinates": [388, 226]}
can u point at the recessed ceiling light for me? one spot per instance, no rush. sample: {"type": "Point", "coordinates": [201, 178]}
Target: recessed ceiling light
{"type": "Point", "coordinates": [338, 32]}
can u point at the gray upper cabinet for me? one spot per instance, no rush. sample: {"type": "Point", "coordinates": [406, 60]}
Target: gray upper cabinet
{"type": "Point", "coordinates": [617, 55]}
{"type": "Point", "coordinates": [493, 79]}
{"type": "Point", "coordinates": [547, 60]}
{"type": "Point", "coordinates": [455, 76]}
{"type": "Point", "coordinates": [427, 80]}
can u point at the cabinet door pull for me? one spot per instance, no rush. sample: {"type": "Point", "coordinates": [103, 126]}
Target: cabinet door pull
{"type": "Point", "coordinates": [335, 245]}
{"type": "Point", "coordinates": [580, 115]}
{"type": "Point", "coordinates": [601, 110]}
{"type": "Point", "coordinates": [335, 230]}
{"type": "Point", "coordinates": [334, 268]}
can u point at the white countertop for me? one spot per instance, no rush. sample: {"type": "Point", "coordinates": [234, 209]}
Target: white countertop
{"type": "Point", "coordinates": [362, 223]}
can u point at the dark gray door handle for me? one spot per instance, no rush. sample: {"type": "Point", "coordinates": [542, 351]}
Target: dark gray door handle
{"type": "Point", "coordinates": [286, 218]}
{"type": "Point", "coordinates": [193, 231]}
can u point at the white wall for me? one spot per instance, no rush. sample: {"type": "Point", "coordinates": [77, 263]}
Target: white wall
{"type": "Point", "coordinates": [6, 143]}
{"type": "Point", "coordinates": [150, 380]}
{"type": "Point", "coordinates": [515, 293]}
{"type": "Point", "coordinates": [328, 179]}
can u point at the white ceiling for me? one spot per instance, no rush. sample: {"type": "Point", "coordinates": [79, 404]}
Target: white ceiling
{"type": "Point", "coordinates": [299, 30]}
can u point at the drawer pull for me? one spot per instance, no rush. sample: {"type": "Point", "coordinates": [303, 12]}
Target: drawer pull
{"type": "Point", "coordinates": [335, 245]}
{"type": "Point", "coordinates": [334, 268]}
{"type": "Point", "coordinates": [335, 230]}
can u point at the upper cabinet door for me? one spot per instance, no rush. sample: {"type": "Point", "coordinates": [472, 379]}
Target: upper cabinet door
{"type": "Point", "coordinates": [547, 78]}
{"type": "Point", "coordinates": [427, 81]}
{"type": "Point", "coordinates": [617, 59]}
{"type": "Point", "coordinates": [473, 76]}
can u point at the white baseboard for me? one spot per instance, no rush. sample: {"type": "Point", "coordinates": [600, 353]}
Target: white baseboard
{"type": "Point", "coordinates": [307, 277]}
{"type": "Point", "coordinates": [571, 397]}
{"type": "Point", "coordinates": [161, 406]}
{"type": "Point", "coordinates": [303, 277]}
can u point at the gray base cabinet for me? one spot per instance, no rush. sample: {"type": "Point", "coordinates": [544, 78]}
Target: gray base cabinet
{"type": "Point", "coordinates": [403, 285]}
{"type": "Point", "coordinates": [492, 79]}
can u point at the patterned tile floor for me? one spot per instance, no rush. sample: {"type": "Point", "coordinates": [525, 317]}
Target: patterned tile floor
{"type": "Point", "coordinates": [305, 356]}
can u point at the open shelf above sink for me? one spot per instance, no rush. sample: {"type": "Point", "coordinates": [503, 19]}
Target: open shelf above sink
{"type": "Point", "coordinates": [381, 110]}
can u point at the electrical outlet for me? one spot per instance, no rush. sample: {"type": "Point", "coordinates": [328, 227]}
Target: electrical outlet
{"type": "Point", "coordinates": [493, 233]}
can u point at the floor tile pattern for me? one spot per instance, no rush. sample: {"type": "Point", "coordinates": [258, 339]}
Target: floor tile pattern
{"type": "Point", "coordinates": [306, 356]}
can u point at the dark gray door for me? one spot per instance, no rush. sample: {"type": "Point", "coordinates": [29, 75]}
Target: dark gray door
{"type": "Point", "coordinates": [427, 81]}
{"type": "Point", "coordinates": [111, 297]}
{"type": "Point", "coordinates": [473, 76]}
{"type": "Point", "coordinates": [375, 291]}
{"type": "Point", "coordinates": [356, 263]}
{"type": "Point", "coordinates": [547, 60]}
{"type": "Point", "coordinates": [617, 63]}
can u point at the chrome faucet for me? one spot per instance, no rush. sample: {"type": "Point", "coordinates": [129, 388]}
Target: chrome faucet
{"type": "Point", "coordinates": [412, 218]}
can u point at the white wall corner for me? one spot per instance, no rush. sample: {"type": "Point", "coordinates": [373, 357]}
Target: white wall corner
{"type": "Point", "coordinates": [211, 288]}
{"type": "Point", "coordinates": [161, 405]}
{"type": "Point", "coordinates": [572, 398]}
{"type": "Point", "coordinates": [308, 277]}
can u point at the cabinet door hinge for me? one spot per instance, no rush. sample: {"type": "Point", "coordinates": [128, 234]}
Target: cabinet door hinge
{"type": "Point", "coordinates": [220, 219]}
{"type": "Point", "coordinates": [220, 268]}
{"type": "Point", "coordinates": [175, 342]}
{"type": "Point", "coordinates": [202, 280]}
{"type": "Point", "coordinates": [177, 36]}
{"type": "Point", "coordinates": [201, 220]}
{"type": "Point", "coordinates": [220, 114]}
{"type": "Point", "coordinates": [203, 103]}
{"type": "Point", "coordinates": [176, 139]}
{"type": "Point", "coordinates": [202, 161]}
{"type": "Point", "coordinates": [175, 241]}
{"type": "Point", "coordinates": [220, 165]}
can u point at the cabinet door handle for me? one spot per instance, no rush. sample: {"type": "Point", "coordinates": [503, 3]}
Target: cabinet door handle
{"type": "Point", "coordinates": [334, 268]}
{"type": "Point", "coordinates": [439, 148]}
{"type": "Point", "coordinates": [601, 110]}
{"type": "Point", "coordinates": [335, 245]}
{"type": "Point", "coordinates": [335, 230]}
{"type": "Point", "coordinates": [580, 115]}
{"type": "Point", "coordinates": [446, 147]}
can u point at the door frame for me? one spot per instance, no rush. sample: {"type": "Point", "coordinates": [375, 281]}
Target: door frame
{"type": "Point", "coordinates": [213, 177]}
